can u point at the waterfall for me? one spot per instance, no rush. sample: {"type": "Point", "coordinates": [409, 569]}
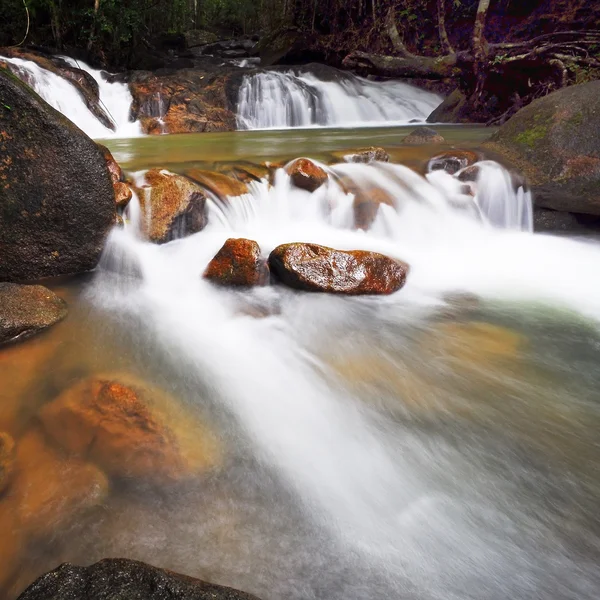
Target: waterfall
{"type": "Point", "coordinates": [280, 100]}
{"type": "Point", "coordinates": [61, 94]}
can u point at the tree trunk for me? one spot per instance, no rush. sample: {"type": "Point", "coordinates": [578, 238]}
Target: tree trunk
{"type": "Point", "coordinates": [480, 48]}
{"type": "Point", "coordinates": [441, 18]}
{"type": "Point", "coordinates": [93, 30]}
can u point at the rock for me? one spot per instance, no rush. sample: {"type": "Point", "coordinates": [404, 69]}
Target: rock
{"type": "Point", "coordinates": [368, 155]}
{"type": "Point", "coordinates": [469, 175]}
{"type": "Point", "coordinates": [116, 173]}
{"type": "Point", "coordinates": [28, 309]}
{"type": "Point", "coordinates": [12, 547]}
{"type": "Point", "coordinates": [184, 101]}
{"type": "Point", "coordinates": [238, 263]}
{"type": "Point", "coordinates": [130, 430]}
{"type": "Point", "coordinates": [554, 141]}
{"type": "Point", "coordinates": [306, 175]}
{"type": "Point", "coordinates": [218, 183]}
{"type": "Point", "coordinates": [172, 206]}
{"type": "Point", "coordinates": [452, 161]}
{"type": "Point", "coordinates": [199, 37]}
{"type": "Point", "coordinates": [50, 489]}
{"type": "Point", "coordinates": [284, 46]}
{"type": "Point", "coordinates": [7, 460]}
{"type": "Point", "coordinates": [123, 195]}
{"type": "Point", "coordinates": [423, 136]}
{"type": "Point", "coordinates": [366, 206]}
{"type": "Point", "coordinates": [454, 109]}
{"type": "Point", "coordinates": [115, 578]}
{"type": "Point", "coordinates": [56, 198]}
{"type": "Point", "coordinates": [546, 219]}
{"type": "Point", "coordinates": [317, 268]}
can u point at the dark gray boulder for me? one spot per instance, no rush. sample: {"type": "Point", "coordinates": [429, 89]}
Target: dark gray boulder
{"type": "Point", "coordinates": [122, 579]}
{"type": "Point", "coordinates": [56, 197]}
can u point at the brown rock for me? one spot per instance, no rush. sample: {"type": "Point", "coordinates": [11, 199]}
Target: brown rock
{"type": "Point", "coordinates": [172, 206]}
{"type": "Point", "coordinates": [123, 194]}
{"type": "Point", "coordinates": [423, 136]}
{"type": "Point", "coordinates": [366, 206]}
{"type": "Point", "coordinates": [129, 430]}
{"type": "Point", "coordinates": [12, 546]}
{"type": "Point", "coordinates": [27, 309]}
{"type": "Point", "coordinates": [238, 263]}
{"type": "Point", "coordinates": [218, 183]}
{"type": "Point", "coordinates": [305, 174]}
{"type": "Point", "coordinates": [7, 460]}
{"type": "Point", "coordinates": [452, 161]}
{"type": "Point", "coordinates": [49, 489]}
{"type": "Point", "coordinates": [368, 155]}
{"type": "Point", "coordinates": [116, 173]}
{"type": "Point", "coordinates": [317, 268]}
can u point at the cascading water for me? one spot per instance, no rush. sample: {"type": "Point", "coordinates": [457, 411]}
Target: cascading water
{"type": "Point", "coordinates": [280, 100]}
{"type": "Point", "coordinates": [115, 98]}
{"type": "Point", "coordinates": [416, 513]}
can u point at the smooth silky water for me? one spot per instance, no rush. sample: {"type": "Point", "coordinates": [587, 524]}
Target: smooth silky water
{"type": "Point", "coordinates": [439, 443]}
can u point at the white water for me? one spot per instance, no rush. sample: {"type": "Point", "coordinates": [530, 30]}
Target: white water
{"type": "Point", "coordinates": [280, 100]}
{"type": "Point", "coordinates": [63, 95]}
{"type": "Point", "coordinates": [387, 497]}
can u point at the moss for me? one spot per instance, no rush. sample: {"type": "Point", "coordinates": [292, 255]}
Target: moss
{"type": "Point", "coordinates": [530, 136]}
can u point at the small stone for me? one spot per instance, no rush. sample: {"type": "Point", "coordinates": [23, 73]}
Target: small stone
{"type": "Point", "coordinates": [423, 136]}
{"type": "Point", "coordinates": [27, 309]}
{"type": "Point", "coordinates": [452, 162]}
{"type": "Point", "coordinates": [238, 264]}
{"type": "Point", "coordinates": [368, 155]}
{"type": "Point", "coordinates": [306, 175]}
{"type": "Point", "coordinates": [123, 194]}
{"type": "Point", "coordinates": [315, 268]}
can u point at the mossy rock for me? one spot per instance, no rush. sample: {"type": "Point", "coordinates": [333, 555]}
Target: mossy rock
{"type": "Point", "coordinates": [554, 141]}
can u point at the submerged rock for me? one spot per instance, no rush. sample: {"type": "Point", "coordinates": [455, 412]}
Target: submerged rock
{"type": "Point", "coordinates": [56, 198]}
{"type": "Point", "coordinates": [238, 264]}
{"type": "Point", "coordinates": [114, 578]}
{"type": "Point", "coordinates": [423, 136]}
{"type": "Point", "coordinates": [317, 268]}
{"type": "Point", "coordinates": [172, 206]}
{"type": "Point", "coordinates": [554, 141]}
{"type": "Point", "coordinates": [7, 459]}
{"type": "Point", "coordinates": [218, 183]}
{"type": "Point", "coordinates": [452, 161]}
{"type": "Point", "coordinates": [130, 430]}
{"type": "Point", "coordinates": [28, 309]}
{"type": "Point", "coordinates": [306, 175]}
{"type": "Point", "coordinates": [366, 206]}
{"type": "Point", "coordinates": [368, 155]}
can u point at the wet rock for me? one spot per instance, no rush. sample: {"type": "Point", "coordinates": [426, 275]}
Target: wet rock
{"type": "Point", "coordinates": [368, 155]}
{"type": "Point", "coordinates": [248, 172]}
{"type": "Point", "coordinates": [27, 309]}
{"type": "Point", "coordinates": [7, 460]}
{"type": "Point", "coordinates": [317, 268]}
{"type": "Point", "coordinates": [423, 136]}
{"type": "Point", "coordinates": [218, 183]}
{"type": "Point", "coordinates": [554, 142]}
{"type": "Point", "coordinates": [50, 489]}
{"type": "Point", "coordinates": [284, 46]}
{"type": "Point", "coordinates": [546, 219]}
{"type": "Point", "coordinates": [116, 173]}
{"type": "Point", "coordinates": [130, 430]}
{"type": "Point", "coordinates": [127, 579]}
{"type": "Point", "coordinates": [469, 175]}
{"type": "Point", "coordinates": [56, 198]}
{"type": "Point", "coordinates": [12, 547]}
{"type": "Point", "coordinates": [172, 206]}
{"type": "Point", "coordinates": [455, 108]}
{"type": "Point", "coordinates": [306, 175]}
{"type": "Point", "coordinates": [366, 206]}
{"type": "Point", "coordinates": [452, 161]}
{"type": "Point", "coordinates": [123, 194]}
{"type": "Point", "coordinates": [238, 264]}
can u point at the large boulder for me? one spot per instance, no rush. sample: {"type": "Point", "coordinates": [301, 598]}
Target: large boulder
{"type": "Point", "coordinates": [130, 429]}
{"type": "Point", "coordinates": [315, 268]}
{"type": "Point", "coordinates": [238, 264]}
{"type": "Point", "coordinates": [56, 197]}
{"type": "Point", "coordinates": [172, 206]}
{"type": "Point", "coordinates": [118, 578]}
{"type": "Point", "coordinates": [287, 45]}
{"type": "Point", "coordinates": [27, 309]}
{"type": "Point", "coordinates": [554, 141]}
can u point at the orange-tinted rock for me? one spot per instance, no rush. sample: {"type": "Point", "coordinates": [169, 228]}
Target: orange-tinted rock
{"type": "Point", "coordinates": [7, 459]}
{"type": "Point", "coordinates": [305, 174]}
{"type": "Point", "coordinates": [116, 173]}
{"type": "Point", "coordinates": [452, 161]}
{"type": "Point", "coordinates": [12, 546]}
{"type": "Point", "coordinates": [172, 206]}
{"type": "Point", "coordinates": [366, 205]}
{"type": "Point", "coordinates": [238, 263]}
{"type": "Point", "coordinates": [423, 136]}
{"type": "Point", "coordinates": [129, 430]}
{"type": "Point", "coordinates": [219, 184]}
{"type": "Point", "coordinates": [317, 268]}
{"type": "Point", "coordinates": [123, 194]}
{"type": "Point", "coordinates": [368, 155]}
{"type": "Point", "coordinates": [49, 489]}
